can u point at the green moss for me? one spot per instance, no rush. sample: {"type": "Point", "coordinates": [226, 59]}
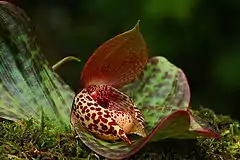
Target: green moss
{"type": "Point", "coordinates": [28, 140]}
{"type": "Point", "coordinates": [229, 129]}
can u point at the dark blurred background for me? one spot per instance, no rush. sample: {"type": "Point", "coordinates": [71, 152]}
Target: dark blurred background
{"type": "Point", "coordinates": [202, 37]}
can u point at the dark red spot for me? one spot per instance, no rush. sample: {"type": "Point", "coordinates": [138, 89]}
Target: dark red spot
{"type": "Point", "coordinates": [98, 109]}
{"type": "Point", "coordinates": [103, 102]}
{"type": "Point", "coordinates": [114, 132]}
{"type": "Point", "coordinates": [78, 99]}
{"type": "Point", "coordinates": [89, 98]}
{"type": "Point", "coordinates": [111, 123]}
{"type": "Point", "coordinates": [81, 107]}
{"type": "Point", "coordinates": [92, 108]}
{"type": "Point", "coordinates": [87, 118]}
{"type": "Point", "coordinates": [93, 116]}
{"type": "Point", "coordinates": [88, 115]}
{"type": "Point", "coordinates": [96, 121]}
{"type": "Point", "coordinates": [110, 130]}
{"type": "Point", "coordinates": [104, 120]}
{"type": "Point", "coordinates": [77, 115]}
{"type": "Point", "coordinates": [92, 126]}
{"type": "Point", "coordinates": [82, 119]}
{"type": "Point", "coordinates": [106, 115]}
{"type": "Point", "coordinates": [101, 131]}
{"type": "Point", "coordinates": [84, 109]}
{"type": "Point", "coordinates": [99, 113]}
{"type": "Point", "coordinates": [81, 96]}
{"type": "Point", "coordinates": [87, 110]}
{"type": "Point", "coordinates": [95, 104]}
{"type": "Point", "coordinates": [89, 104]}
{"type": "Point", "coordinates": [104, 127]}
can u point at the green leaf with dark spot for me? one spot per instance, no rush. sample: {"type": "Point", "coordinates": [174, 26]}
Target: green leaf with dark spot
{"type": "Point", "coordinates": [28, 85]}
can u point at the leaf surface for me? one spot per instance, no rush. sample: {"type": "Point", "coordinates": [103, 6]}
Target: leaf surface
{"type": "Point", "coordinates": [28, 86]}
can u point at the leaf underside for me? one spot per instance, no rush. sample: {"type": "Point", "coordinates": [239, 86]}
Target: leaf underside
{"type": "Point", "coordinates": [28, 86]}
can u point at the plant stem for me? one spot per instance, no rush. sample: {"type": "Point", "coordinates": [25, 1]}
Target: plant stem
{"type": "Point", "coordinates": [64, 60]}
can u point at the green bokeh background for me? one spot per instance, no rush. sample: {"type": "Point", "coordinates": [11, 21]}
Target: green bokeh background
{"type": "Point", "coordinates": [202, 37]}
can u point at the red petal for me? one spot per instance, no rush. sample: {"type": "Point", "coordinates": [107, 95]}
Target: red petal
{"type": "Point", "coordinates": [118, 61]}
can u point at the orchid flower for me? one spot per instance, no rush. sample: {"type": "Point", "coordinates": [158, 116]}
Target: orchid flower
{"type": "Point", "coordinates": [102, 109]}
{"type": "Point", "coordinates": [160, 98]}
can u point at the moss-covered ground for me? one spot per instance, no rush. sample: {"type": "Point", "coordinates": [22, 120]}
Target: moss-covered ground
{"type": "Point", "coordinates": [27, 140]}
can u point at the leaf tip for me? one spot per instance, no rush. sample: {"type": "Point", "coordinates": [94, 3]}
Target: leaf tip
{"type": "Point", "coordinates": [137, 27]}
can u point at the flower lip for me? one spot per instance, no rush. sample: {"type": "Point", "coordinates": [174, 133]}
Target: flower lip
{"type": "Point", "coordinates": [112, 122]}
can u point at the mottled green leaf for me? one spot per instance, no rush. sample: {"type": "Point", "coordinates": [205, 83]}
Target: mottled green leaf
{"type": "Point", "coordinates": [162, 94]}
{"type": "Point", "coordinates": [160, 90]}
{"type": "Point", "coordinates": [28, 85]}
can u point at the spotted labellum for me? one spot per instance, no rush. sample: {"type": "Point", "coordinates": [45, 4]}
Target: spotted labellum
{"type": "Point", "coordinates": [125, 101]}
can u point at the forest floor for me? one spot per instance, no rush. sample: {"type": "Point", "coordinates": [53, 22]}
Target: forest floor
{"type": "Point", "coordinates": [26, 140]}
